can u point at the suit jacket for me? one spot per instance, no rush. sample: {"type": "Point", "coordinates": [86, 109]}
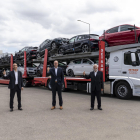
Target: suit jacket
{"type": "Point", "coordinates": [59, 76]}
{"type": "Point", "coordinates": [96, 81]}
{"type": "Point", "coordinates": [11, 76]}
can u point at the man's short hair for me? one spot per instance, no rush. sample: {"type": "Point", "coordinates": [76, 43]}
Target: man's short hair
{"type": "Point", "coordinates": [14, 63]}
{"type": "Point", "coordinates": [95, 65]}
{"type": "Point", "coordinates": [55, 60]}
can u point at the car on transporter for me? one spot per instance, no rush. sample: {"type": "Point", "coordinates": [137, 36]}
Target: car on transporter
{"type": "Point", "coordinates": [78, 66]}
{"type": "Point", "coordinates": [31, 69]}
{"type": "Point", "coordinates": [30, 53]}
{"type": "Point", "coordinates": [5, 58]}
{"type": "Point", "coordinates": [80, 43]}
{"type": "Point", "coordinates": [121, 35]}
{"type": "Point", "coordinates": [50, 45]}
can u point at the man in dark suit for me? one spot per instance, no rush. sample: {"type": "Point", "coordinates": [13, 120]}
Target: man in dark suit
{"type": "Point", "coordinates": [57, 79]}
{"type": "Point", "coordinates": [96, 85]}
{"type": "Point", "coordinates": [15, 85]}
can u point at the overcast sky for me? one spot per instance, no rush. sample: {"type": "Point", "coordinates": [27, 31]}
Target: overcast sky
{"type": "Point", "coordinates": [30, 22]}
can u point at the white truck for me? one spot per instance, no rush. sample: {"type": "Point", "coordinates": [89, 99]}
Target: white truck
{"type": "Point", "coordinates": [124, 70]}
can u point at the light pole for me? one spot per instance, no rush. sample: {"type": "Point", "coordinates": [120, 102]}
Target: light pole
{"type": "Point", "coordinates": [89, 30]}
{"type": "Point", "coordinates": [86, 23]}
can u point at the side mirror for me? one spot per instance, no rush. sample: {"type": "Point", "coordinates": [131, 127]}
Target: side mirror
{"type": "Point", "coordinates": [133, 58]}
{"type": "Point", "coordinates": [131, 28]}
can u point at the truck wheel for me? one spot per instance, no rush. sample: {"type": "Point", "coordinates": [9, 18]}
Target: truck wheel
{"type": "Point", "coordinates": [49, 85]}
{"type": "Point", "coordinates": [24, 83]}
{"type": "Point", "coordinates": [123, 90]}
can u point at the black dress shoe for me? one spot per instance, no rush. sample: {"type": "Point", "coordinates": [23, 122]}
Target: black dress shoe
{"type": "Point", "coordinates": [20, 108]}
{"type": "Point", "coordinates": [91, 108]}
{"type": "Point", "coordinates": [11, 109]}
{"type": "Point", "coordinates": [100, 108]}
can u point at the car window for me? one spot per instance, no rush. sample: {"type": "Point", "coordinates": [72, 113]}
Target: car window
{"type": "Point", "coordinates": [46, 41]}
{"type": "Point", "coordinates": [113, 30]}
{"type": "Point", "coordinates": [125, 27]}
{"type": "Point", "coordinates": [80, 37]}
{"type": "Point", "coordinates": [61, 64]}
{"type": "Point", "coordinates": [23, 50]}
{"type": "Point", "coordinates": [91, 36]}
{"type": "Point", "coordinates": [26, 49]}
{"type": "Point", "coordinates": [77, 61]}
{"type": "Point", "coordinates": [72, 39]}
{"type": "Point", "coordinates": [86, 61]}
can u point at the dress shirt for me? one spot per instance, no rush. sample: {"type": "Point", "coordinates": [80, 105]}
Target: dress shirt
{"type": "Point", "coordinates": [95, 73]}
{"type": "Point", "coordinates": [56, 71]}
{"type": "Point", "coordinates": [16, 77]}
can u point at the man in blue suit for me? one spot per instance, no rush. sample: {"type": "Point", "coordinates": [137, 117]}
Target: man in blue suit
{"type": "Point", "coordinates": [57, 79]}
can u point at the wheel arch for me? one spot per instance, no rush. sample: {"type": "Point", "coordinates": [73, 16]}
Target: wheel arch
{"type": "Point", "coordinates": [122, 80]}
{"type": "Point", "coordinates": [84, 44]}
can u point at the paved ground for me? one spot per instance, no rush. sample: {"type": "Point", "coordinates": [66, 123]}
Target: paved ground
{"type": "Point", "coordinates": [119, 120]}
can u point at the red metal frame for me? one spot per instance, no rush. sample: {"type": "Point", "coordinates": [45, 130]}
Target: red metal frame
{"type": "Point", "coordinates": [4, 81]}
{"type": "Point", "coordinates": [11, 63]}
{"type": "Point", "coordinates": [25, 66]}
{"type": "Point", "coordinates": [45, 63]}
{"type": "Point", "coordinates": [102, 58]}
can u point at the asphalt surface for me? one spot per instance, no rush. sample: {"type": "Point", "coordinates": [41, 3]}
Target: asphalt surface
{"type": "Point", "coordinates": [119, 119]}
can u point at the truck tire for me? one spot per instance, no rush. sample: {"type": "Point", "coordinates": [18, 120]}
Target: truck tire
{"type": "Point", "coordinates": [123, 90]}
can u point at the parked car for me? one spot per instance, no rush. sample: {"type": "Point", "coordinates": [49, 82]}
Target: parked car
{"type": "Point", "coordinates": [50, 64]}
{"type": "Point", "coordinates": [121, 35]}
{"type": "Point", "coordinates": [30, 53]}
{"type": "Point", "coordinates": [80, 43]}
{"type": "Point", "coordinates": [78, 66]}
{"type": "Point", "coordinates": [31, 69]}
{"type": "Point", "coordinates": [5, 58]}
{"type": "Point", "coordinates": [50, 45]}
